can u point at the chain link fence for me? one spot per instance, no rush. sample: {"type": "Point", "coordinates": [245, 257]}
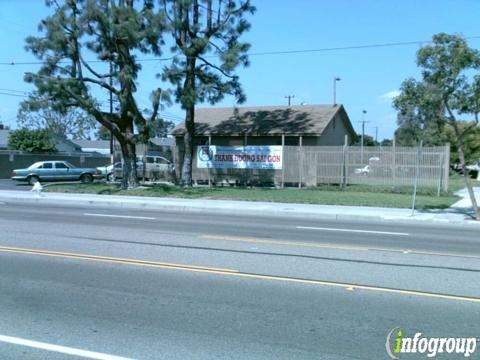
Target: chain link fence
{"type": "Point", "coordinates": [343, 165]}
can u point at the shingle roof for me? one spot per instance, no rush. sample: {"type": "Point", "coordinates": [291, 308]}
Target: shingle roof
{"type": "Point", "coordinates": [4, 138]}
{"type": "Point", "coordinates": [163, 141]}
{"type": "Point", "coordinates": [92, 144]}
{"type": "Point", "coordinates": [264, 120]}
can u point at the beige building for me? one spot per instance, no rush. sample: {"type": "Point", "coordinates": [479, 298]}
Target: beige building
{"type": "Point", "coordinates": [309, 125]}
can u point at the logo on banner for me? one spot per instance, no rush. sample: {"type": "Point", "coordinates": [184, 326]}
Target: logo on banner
{"type": "Point", "coordinates": [205, 153]}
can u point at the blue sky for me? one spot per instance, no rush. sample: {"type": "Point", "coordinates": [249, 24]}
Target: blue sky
{"type": "Point", "coordinates": [369, 76]}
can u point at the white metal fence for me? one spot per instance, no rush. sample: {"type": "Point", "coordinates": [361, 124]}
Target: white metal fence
{"type": "Point", "coordinates": [316, 165]}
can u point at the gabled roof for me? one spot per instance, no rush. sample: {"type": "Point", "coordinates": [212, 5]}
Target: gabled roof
{"type": "Point", "coordinates": [163, 141]}
{"type": "Point", "coordinates": [92, 144]}
{"type": "Point", "coordinates": [265, 120]}
{"type": "Point", "coordinates": [4, 134]}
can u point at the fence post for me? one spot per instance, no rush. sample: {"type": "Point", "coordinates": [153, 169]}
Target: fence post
{"type": "Point", "coordinates": [300, 162]}
{"type": "Point", "coordinates": [208, 164]}
{"type": "Point", "coordinates": [417, 173]}
{"type": "Point", "coordinates": [344, 163]}
{"type": "Point", "coordinates": [283, 161]}
{"type": "Point", "coordinates": [394, 160]}
{"type": "Point", "coordinates": [446, 167]}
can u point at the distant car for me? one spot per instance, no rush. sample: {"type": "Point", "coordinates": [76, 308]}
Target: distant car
{"type": "Point", "coordinates": [54, 171]}
{"type": "Point", "coordinates": [107, 170]}
{"type": "Point", "coordinates": [474, 170]}
{"type": "Point", "coordinates": [156, 167]}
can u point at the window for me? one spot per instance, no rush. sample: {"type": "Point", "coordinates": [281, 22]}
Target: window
{"type": "Point", "coordinates": [47, 166]}
{"type": "Point", "coordinates": [61, 165]}
{"type": "Point", "coordinates": [162, 161]}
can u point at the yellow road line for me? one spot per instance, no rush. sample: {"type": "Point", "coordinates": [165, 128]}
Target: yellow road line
{"type": "Point", "coordinates": [329, 246]}
{"type": "Point", "coordinates": [110, 259]}
{"type": "Point", "coordinates": [277, 242]}
{"type": "Point", "coordinates": [236, 273]}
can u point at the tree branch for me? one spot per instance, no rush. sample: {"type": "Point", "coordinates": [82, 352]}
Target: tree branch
{"type": "Point", "coordinates": [215, 67]}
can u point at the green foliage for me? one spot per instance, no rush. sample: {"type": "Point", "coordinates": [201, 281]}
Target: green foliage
{"type": "Point", "coordinates": [420, 115]}
{"type": "Point", "coordinates": [367, 141]}
{"type": "Point", "coordinates": [113, 33]}
{"type": "Point", "coordinates": [450, 86]}
{"type": "Point", "coordinates": [327, 195]}
{"type": "Point", "coordinates": [425, 107]}
{"type": "Point", "coordinates": [471, 143]}
{"type": "Point", "coordinates": [206, 51]}
{"type": "Point", "coordinates": [208, 48]}
{"type": "Point", "coordinates": [103, 133]}
{"type": "Point", "coordinates": [73, 123]}
{"type": "Point", "coordinates": [35, 141]}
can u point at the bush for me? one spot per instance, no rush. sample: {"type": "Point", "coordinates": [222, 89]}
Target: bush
{"type": "Point", "coordinates": [36, 141]}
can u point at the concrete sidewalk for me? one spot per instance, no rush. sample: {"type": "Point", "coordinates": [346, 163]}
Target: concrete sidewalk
{"type": "Point", "coordinates": [267, 209]}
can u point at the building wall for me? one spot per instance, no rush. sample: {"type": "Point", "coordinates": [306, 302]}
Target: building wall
{"type": "Point", "coordinates": [334, 133]}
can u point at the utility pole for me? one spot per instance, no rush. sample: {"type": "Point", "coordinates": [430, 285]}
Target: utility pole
{"type": "Point", "coordinates": [335, 79]}
{"type": "Point", "coordinates": [363, 134]}
{"type": "Point", "coordinates": [376, 134]}
{"type": "Point", "coordinates": [289, 97]}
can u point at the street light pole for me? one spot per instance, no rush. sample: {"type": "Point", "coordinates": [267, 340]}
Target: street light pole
{"type": "Point", "coordinates": [335, 79]}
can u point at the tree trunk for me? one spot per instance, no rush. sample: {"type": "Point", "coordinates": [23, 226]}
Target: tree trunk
{"type": "Point", "coordinates": [189, 136]}
{"type": "Point", "coordinates": [129, 179]}
{"type": "Point", "coordinates": [461, 157]}
{"type": "Point", "coordinates": [188, 140]}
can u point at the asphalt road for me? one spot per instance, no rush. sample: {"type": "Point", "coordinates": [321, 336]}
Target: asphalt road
{"type": "Point", "coordinates": [8, 184]}
{"type": "Point", "coordinates": [153, 285]}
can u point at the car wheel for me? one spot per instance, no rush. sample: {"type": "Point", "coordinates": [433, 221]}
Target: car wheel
{"type": "Point", "coordinates": [86, 178]}
{"type": "Point", "coordinates": [32, 180]}
{"type": "Point", "coordinates": [110, 177]}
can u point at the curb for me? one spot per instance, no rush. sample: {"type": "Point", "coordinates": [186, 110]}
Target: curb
{"type": "Point", "coordinates": [260, 209]}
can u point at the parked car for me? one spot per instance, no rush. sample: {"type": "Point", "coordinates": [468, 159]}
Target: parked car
{"type": "Point", "coordinates": [474, 170]}
{"type": "Point", "coordinates": [107, 170]}
{"type": "Point", "coordinates": [156, 167]}
{"type": "Point", "coordinates": [54, 171]}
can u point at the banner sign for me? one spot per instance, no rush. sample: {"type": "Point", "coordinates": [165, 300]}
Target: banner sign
{"type": "Point", "coordinates": [239, 157]}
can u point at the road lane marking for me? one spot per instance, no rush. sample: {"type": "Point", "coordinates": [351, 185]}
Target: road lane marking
{"type": "Point", "coordinates": [352, 230]}
{"type": "Point", "coordinates": [331, 246]}
{"type": "Point", "coordinates": [60, 349]}
{"type": "Point", "coordinates": [121, 216]}
{"type": "Point", "coordinates": [236, 273]}
{"type": "Point", "coordinates": [280, 242]}
{"type": "Point", "coordinates": [110, 259]}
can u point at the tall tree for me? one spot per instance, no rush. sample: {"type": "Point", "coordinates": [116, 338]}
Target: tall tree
{"type": "Point", "coordinates": [450, 87]}
{"type": "Point", "coordinates": [114, 32]}
{"type": "Point", "coordinates": [206, 52]}
{"type": "Point", "coordinates": [73, 123]}
{"type": "Point", "coordinates": [420, 115]}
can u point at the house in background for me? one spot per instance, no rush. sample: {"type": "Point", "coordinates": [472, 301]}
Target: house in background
{"type": "Point", "coordinates": [156, 146]}
{"type": "Point", "coordinates": [309, 125]}
{"type": "Point", "coordinates": [98, 146]}
{"type": "Point", "coordinates": [4, 134]}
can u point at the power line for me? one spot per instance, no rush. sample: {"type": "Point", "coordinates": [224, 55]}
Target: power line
{"type": "Point", "coordinates": [17, 95]}
{"type": "Point", "coordinates": [14, 91]}
{"type": "Point", "coordinates": [264, 53]}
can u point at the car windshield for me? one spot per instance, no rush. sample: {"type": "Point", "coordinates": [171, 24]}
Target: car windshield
{"type": "Point", "coordinates": [69, 165]}
{"type": "Point", "coordinates": [36, 165]}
